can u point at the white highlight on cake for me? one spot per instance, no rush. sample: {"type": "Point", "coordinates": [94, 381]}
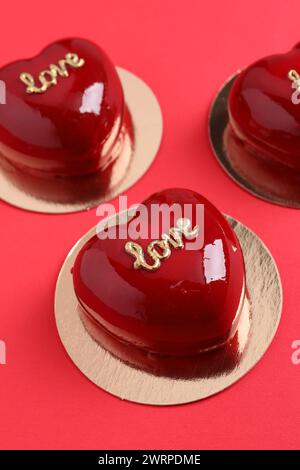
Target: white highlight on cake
{"type": "Point", "coordinates": [214, 262]}
{"type": "Point", "coordinates": [92, 99]}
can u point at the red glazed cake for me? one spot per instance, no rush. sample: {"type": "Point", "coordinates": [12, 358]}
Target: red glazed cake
{"type": "Point", "coordinates": [65, 115]}
{"type": "Point", "coordinates": [263, 136]}
{"type": "Point", "coordinates": [151, 301]}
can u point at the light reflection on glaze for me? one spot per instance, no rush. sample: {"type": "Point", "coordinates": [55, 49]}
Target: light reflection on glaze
{"type": "Point", "coordinates": [92, 99]}
{"type": "Point", "coordinates": [214, 262]}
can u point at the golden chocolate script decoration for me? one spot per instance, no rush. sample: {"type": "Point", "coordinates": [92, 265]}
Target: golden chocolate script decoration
{"type": "Point", "coordinates": [174, 238]}
{"type": "Point", "coordinates": [48, 77]}
{"type": "Point", "coordinates": [293, 76]}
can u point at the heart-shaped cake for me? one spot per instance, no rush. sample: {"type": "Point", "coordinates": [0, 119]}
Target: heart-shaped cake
{"type": "Point", "coordinates": [263, 137]}
{"type": "Point", "coordinates": [64, 114]}
{"type": "Point", "coordinates": [170, 281]}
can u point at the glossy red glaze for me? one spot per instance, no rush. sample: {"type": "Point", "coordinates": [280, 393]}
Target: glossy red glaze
{"type": "Point", "coordinates": [214, 362]}
{"type": "Point", "coordinates": [72, 128]}
{"type": "Point", "coordinates": [189, 304]}
{"type": "Point", "coordinates": [262, 114]}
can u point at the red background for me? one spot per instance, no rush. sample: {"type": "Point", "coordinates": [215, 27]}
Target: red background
{"type": "Point", "coordinates": [184, 50]}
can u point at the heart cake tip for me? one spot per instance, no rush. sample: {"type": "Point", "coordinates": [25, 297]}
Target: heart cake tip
{"type": "Point", "coordinates": [164, 287]}
{"type": "Point", "coordinates": [262, 139]}
{"type": "Point", "coordinates": [65, 116]}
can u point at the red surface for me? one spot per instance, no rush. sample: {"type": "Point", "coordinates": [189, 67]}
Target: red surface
{"type": "Point", "coordinates": [184, 50]}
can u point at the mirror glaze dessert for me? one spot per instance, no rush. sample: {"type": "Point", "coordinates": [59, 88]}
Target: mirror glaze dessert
{"type": "Point", "coordinates": [263, 136]}
{"type": "Point", "coordinates": [65, 114]}
{"type": "Point", "coordinates": [145, 299]}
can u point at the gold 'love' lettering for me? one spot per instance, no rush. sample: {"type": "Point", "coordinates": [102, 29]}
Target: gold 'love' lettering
{"type": "Point", "coordinates": [48, 78]}
{"type": "Point", "coordinates": [161, 249]}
